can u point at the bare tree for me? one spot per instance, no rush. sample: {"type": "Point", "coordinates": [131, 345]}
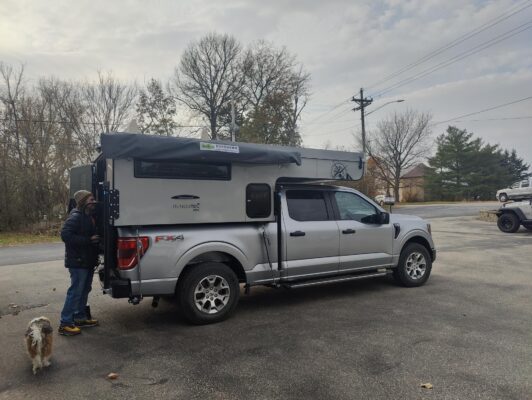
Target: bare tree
{"type": "Point", "coordinates": [300, 93]}
{"type": "Point", "coordinates": [97, 107]}
{"type": "Point", "coordinates": [273, 78]}
{"type": "Point", "coordinates": [156, 110]}
{"type": "Point", "coordinates": [210, 75]}
{"type": "Point", "coordinates": [399, 142]}
{"type": "Point", "coordinates": [269, 71]}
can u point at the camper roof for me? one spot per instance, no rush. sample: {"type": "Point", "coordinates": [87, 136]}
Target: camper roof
{"type": "Point", "coordinates": [149, 147]}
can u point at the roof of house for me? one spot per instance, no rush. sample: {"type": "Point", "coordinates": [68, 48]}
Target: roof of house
{"type": "Point", "coordinates": [417, 171]}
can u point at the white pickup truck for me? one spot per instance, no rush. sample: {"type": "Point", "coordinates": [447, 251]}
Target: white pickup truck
{"type": "Point", "coordinates": [518, 191]}
{"type": "Point", "coordinates": [195, 220]}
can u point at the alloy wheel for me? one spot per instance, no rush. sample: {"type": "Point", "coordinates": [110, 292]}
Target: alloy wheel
{"type": "Point", "coordinates": [212, 294]}
{"type": "Point", "coordinates": [416, 265]}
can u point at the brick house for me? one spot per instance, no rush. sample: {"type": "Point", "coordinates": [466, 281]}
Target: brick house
{"type": "Point", "coordinates": [412, 184]}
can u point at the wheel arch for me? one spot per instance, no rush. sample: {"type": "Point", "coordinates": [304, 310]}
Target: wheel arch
{"type": "Point", "coordinates": [423, 242]}
{"type": "Point", "coordinates": [516, 211]}
{"type": "Point", "coordinates": [225, 254]}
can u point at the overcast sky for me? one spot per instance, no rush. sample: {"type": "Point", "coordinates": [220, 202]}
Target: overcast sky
{"type": "Point", "coordinates": [344, 45]}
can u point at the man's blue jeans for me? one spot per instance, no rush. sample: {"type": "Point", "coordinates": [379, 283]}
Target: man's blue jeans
{"type": "Point", "coordinates": [77, 295]}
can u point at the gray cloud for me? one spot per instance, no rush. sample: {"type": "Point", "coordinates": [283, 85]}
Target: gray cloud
{"type": "Point", "coordinates": [343, 44]}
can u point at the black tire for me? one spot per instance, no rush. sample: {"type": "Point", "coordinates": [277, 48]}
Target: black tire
{"type": "Point", "coordinates": [222, 291]}
{"type": "Point", "coordinates": [408, 275]}
{"type": "Point", "coordinates": [508, 222]}
{"type": "Point", "coordinates": [503, 197]}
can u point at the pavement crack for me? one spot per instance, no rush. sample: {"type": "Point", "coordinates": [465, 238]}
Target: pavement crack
{"type": "Point", "coordinates": [15, 309]}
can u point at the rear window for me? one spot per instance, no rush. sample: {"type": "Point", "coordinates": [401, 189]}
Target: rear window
{"type": "Point", "coordinates": [182, 170]}
{"type": "Point", "coordinates": [307, 205]}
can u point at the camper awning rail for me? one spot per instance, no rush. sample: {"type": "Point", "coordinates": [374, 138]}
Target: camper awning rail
{"type": "Point", "coordinates": [149, 147]}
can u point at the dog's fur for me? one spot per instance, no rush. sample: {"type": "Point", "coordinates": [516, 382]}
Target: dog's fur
{"type": "Point", "coordinates": [39, 338]}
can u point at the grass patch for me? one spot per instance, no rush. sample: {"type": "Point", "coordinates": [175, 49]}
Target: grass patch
{"type": "Point", "coordinates": [17, 238]}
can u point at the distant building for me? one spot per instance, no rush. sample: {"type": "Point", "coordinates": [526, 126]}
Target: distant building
{"type": "Point", "coordinates": [413, 182]}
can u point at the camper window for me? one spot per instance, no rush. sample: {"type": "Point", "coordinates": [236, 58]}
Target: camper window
{"type": "Point", "coordinates": [258, 200]}
{"type": "Point", "coordinates": [169, 169]}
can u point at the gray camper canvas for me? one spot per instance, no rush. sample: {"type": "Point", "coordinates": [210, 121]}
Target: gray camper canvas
{"type": "Point", "coordinates": [169, 180]}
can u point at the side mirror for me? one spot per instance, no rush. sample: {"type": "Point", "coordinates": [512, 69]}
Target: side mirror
{"type": "Point", "coordinates": [383, 218]}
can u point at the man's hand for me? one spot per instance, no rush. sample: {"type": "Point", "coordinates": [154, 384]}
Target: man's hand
{"type": "Point", "coordinates": [95, 239]}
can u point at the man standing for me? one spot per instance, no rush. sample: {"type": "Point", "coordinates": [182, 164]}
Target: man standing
{"type": "Point", "coordinates": [81, 258]}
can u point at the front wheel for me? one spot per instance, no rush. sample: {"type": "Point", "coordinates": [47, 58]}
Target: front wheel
{"type": "Point", "coordinates": [508, 222]}
{"type": "Point", "coordinates": [414, 266]}
{"type": "Point", "coordinates": [208, 293]}
{"type": "Point", "coordinates": [503, 197]}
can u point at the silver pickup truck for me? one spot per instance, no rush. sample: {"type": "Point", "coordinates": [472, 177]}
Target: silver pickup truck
{"type": "Point", "coordinates": [331, 234]}
{"type": "Point", "coordinates": [197, 220]}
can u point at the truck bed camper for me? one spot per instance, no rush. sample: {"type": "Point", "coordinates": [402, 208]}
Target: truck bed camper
{"type": "Point", "coordinates": [194, 219]}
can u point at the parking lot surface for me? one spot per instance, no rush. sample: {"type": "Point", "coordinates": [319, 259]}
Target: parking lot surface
{"type": "Point", "coordinates": [467, 332]}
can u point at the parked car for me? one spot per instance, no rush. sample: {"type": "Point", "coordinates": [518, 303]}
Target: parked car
{"type": "Point", "coordinates": [512, 215]}
{"type": "Point", "coordinates": [384, 199]}
{"type": "Point", "coordinates": [518, 191]}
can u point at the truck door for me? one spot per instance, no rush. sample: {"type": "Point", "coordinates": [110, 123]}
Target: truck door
{"type": "Point", "coordinates": [524, 189]}
{"type": "Point", "coordinates": [363, 242]}
{"type": "Point", "coordinates": [311, 234]}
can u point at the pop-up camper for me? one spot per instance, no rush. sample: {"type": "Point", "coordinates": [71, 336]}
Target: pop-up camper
{"type": "Point", "coordinates": [193, 219]}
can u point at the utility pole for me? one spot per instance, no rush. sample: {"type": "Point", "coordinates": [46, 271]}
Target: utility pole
{"type": "Point", "coordinates": [233, 125]}
{"type": "Point", "coordinates": [362, 103]}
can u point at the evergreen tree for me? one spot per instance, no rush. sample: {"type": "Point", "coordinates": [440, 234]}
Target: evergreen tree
{"type": "Point", "coordinates": [464, 168]}
{"type": "Point", "coordinates": [517, 168]}
{"type": "Point", "coordinates": [453, 163]}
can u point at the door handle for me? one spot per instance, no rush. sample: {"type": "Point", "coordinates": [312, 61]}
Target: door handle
{"type": "Point", "coordinates": [348, 231]}
{"type": "Point", "coordinates": [297, 233]}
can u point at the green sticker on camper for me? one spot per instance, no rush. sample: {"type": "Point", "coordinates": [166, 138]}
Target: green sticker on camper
{"type": "Point", "coordinates": [225, 148]}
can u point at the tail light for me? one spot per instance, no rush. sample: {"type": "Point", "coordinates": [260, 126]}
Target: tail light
{"type": "Point", "coordinates": [127, 252]}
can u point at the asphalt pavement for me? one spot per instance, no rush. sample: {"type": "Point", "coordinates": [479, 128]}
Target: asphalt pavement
{"type": "Point", "coordinates": [446, 210]}
{"type": "Point", "coordinates": [32, 253]}
{"type": "Point", "coordinates": [467, 332]}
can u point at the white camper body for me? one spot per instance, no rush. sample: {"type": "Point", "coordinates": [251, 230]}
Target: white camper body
{"type": "Point", "coordinates": [162, 191]}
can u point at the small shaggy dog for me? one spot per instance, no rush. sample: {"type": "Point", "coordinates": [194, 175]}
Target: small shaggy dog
{"type": "Point", "coordinates": [39, 342]}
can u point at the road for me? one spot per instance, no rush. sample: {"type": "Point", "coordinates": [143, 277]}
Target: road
{"type": "Point", "coordinates": [55, 251]}
{"type": "Point", "coordinates": [467, 332]}
{"type": "Point", "coordinates": [446, 210]}
{"type": "Point", "coordinates": [31, 253]}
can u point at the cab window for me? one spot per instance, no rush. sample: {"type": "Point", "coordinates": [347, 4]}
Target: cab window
{"type": "Point", "coordinates": [307, 205]}
{"type": "Point", "coordinates": [355, 208]}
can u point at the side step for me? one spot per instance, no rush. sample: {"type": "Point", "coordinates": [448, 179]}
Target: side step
{"type": "Point", "coordinates": [335, 279]}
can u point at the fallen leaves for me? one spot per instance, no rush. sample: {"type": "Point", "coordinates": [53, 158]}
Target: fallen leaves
{"type": "Point", "coordinates": [427, 385]}
{"type": "Point", "coordinates": [112, 376]}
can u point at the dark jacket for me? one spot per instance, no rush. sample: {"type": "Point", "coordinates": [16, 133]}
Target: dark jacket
{"type": "Point", "coordinates": [76, 233]}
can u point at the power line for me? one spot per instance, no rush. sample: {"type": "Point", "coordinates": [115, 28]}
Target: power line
{"type": "Point", "coordinates": [484, 110]}
{"type": "Point", "coordinates": [343, 102]}
{"type": "Point", "coordinates": [77, 123]}
{"type": "Point", "coordinates": [452, 44]}
{"type": "Point", "coordinates": [493, 119]}
{"type": "Point", "coordinates": [467, 53]}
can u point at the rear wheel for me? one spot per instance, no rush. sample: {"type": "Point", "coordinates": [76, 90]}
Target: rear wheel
{"type": "Point", "coordinates": [208, 293]}
{"type": "Point", "coordinates": [508, 222]}
{"type": "Point", "coordinates": [414, 266]}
